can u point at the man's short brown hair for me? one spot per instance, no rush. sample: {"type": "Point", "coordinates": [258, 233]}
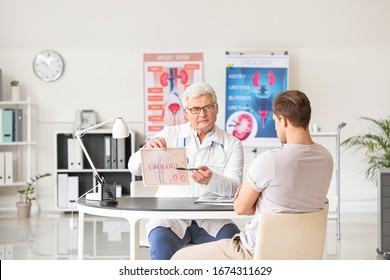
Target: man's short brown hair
{"type": "Point", "coordinates": [295, 106]}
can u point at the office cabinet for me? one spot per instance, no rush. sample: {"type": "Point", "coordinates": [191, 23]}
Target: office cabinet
{"type": "Point", "coordinates": [15, 143]}
{"type": "Point", "coordinates": [73, 173]}
{"type": "Point", "coordinates": [384, 212]}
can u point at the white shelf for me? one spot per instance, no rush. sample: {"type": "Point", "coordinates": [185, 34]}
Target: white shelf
{"type": "Point", "coordinates": [23, 149]}
{"type": "Point", "coordinates": [94, 144]}
{"type": "Point", "coordinates": [336, 135]}
{"type": "Point", "coordinates": [13, 103]}
{"type": "Point", "coordinates": [14, 184]}
{"type": "Point", "coordinates": [17, 143]}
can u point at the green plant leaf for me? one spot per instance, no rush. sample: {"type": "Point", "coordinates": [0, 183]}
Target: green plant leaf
{"type": "Point", "coordinates": [29, 191]}
{"type": "Point", "coordinates": [375, 144]}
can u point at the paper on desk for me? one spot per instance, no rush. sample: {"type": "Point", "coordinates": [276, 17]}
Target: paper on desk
{"type": "Point", "coordinates": [159, 167]}
{"type": "Point", "coordinates": [228, 200]}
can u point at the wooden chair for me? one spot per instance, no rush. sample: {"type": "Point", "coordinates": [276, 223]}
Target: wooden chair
{"type": "Point", "coordinates": [291, 236]}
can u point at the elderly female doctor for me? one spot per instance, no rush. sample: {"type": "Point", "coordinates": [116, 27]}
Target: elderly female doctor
{"type": "Point", "coordinates": [219, 159]}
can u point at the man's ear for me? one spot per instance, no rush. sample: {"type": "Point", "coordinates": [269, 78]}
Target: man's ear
{"type": "Point", "coordinates": [283, 121]}
{"type": "Point", "coordinates": [216, 108]}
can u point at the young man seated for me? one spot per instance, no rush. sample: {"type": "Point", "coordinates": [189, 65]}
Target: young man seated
{"type": "Point", "coordinates": [292, 179]}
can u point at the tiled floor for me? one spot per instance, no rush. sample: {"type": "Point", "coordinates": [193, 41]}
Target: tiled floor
{"type": "Point", "coordinates": [49, 237]}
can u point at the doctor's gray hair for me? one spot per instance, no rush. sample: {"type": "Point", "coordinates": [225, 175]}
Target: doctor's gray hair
{"type": "Point", "coordinates": [197, 90]}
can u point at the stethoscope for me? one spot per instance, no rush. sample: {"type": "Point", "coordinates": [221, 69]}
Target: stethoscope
{"type": "Point", "coordinates": [210, 147]}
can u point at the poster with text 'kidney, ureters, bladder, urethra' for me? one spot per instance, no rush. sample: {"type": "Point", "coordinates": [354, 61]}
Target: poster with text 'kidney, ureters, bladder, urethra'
{"type": "Point", "coordinates": [252, 82]}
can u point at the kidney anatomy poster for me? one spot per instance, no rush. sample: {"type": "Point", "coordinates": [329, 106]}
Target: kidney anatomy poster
{"type": "Point", "coordinates": [166, 76]}
{"type": "Point", "coordinates": [252, 82]}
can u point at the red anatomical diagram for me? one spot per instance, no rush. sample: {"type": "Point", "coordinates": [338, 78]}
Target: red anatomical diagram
{"type": "Point", "coordinates": [271, 78]}
{"type": "Point", "coordinates": [244, 126]}
{"type": "Point", "coordinates": [174, 108]}
{"type": "Point", "coordinates": [183, 76]}
{"type": "Point", "coordinates": [256, 79]}
{"type": "Point", "coordinates": [164, 79]}
{"type": "Point", "coordinates": [263, 115]}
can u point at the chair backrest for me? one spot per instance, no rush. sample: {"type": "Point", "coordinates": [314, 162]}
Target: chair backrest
{"type": "Point", "coordinates": [291, 236]}
{"type": "Point", "coordinates": [137, 189]}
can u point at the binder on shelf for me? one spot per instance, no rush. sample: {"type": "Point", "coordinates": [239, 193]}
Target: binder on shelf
{"type": "Point", "coordinates": [2, 168]}
{"type": "Point", "coordinates": [107, 152]}
{"type": "Point", "coordinates": [1, 95]}
{"type": "Point", "coordinates": [73, 190]}
{"type": "Point", "coordinates": [114, 164]}
{"type": "Point", "coordinates": [62, 190]}
{"type": "Point", "coordinates": [120, 158]}
{"type": "Point", "coordinates": [7, 125]}
{"type": "Point", "coordinates": [79, 161]}
{"type": "Point", "coordinates": [17, 125]}
{"type": "Point", "coordinates": [9, 167]}
{"type": "Point", "coordinates": [72, 153]}
{"type": "Point", "coordinates": [1, 125]}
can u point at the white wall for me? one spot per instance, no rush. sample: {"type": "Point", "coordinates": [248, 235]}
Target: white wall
{"type": "Point", "coordinates": [339, 56]}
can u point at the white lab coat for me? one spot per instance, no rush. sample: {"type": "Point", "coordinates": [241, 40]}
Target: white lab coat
{"type": "Point", "coordinates": [220, 151]}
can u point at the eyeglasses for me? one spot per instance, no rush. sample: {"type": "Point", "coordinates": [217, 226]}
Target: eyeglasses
{"type": "Point", "coordinates": [206, 109]}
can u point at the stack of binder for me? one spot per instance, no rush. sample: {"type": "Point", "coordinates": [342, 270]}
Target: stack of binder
{"type": "Point", "coordinates": [114, 153]}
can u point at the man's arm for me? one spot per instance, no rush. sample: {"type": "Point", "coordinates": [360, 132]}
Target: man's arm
{"type": "Point", "coordinates": [245, 199]}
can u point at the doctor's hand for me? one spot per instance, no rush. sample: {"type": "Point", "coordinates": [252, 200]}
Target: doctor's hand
{"type": "Point", "coordinates": [202, 175]}
{"type": "Point", "coordinates": [157, 142]}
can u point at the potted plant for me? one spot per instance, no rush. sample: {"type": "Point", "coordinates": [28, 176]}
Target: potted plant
{"type": "Point", "coordinates": [376, 143]}
{"type": "Point", "coordinates": [15, 90]}
{"type": "Point", "coordinates": [28, 195]}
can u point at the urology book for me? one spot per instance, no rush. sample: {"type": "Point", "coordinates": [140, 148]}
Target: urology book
{"type": "Point", "coordinates": [159, 167]}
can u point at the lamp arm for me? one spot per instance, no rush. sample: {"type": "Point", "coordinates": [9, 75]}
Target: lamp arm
{"type": "Point", "coordinates": [88, 157]}
{"type": "Point", "coordinates": [81, 132]}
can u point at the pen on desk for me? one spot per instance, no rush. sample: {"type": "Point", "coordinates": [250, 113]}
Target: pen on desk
{"type": "Point", "coordinates": [186, 169]}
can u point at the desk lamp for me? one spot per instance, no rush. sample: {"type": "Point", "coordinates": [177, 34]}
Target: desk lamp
{"type": "Point", "coordinates": [106, 193]}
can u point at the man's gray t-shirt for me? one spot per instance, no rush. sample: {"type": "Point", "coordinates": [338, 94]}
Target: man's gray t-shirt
{"type": "Point", "coordinates": [291, 179]}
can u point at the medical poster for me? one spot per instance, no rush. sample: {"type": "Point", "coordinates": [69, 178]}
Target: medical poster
{"type": "Point", "coordinates": [160, 167]}
{"type": "Point", "coordinates": [252, 82]}
{"type": "Point", "coordinates": [166, 76]}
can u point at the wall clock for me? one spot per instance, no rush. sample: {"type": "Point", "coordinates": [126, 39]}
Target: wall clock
{"type": "Point", "coordinates": [48, 65]}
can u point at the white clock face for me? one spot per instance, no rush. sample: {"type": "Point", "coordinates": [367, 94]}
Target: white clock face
{"type": "Point", "coordinates": [48, 65]}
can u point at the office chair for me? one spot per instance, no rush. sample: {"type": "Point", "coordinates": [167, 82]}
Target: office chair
{"type": "Point", "coordinates": [137, 189]}
{"type": "Point", "coordinates": [291, 236]}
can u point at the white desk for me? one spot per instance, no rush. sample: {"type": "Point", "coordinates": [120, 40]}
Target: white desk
{"type": "Point", "coordinates": [133, 209]}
